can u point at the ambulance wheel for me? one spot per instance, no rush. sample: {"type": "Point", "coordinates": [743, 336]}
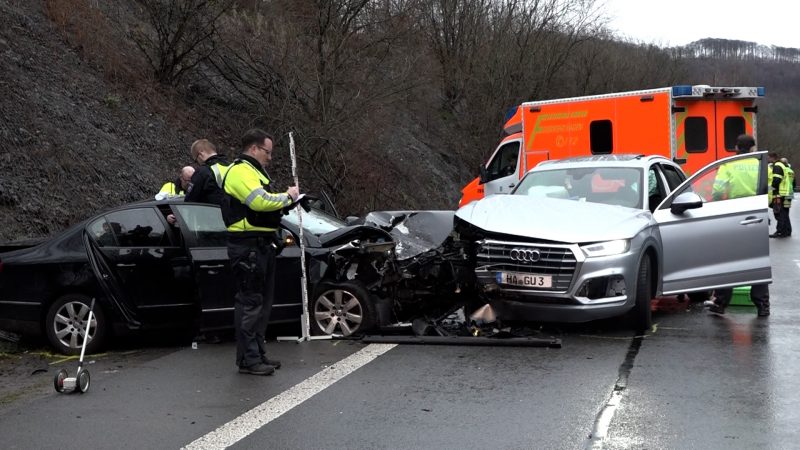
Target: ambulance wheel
{"type": "Point", "coordinates": [341, 309]}
{"type": "Point", "coordinates": [58, 380]}
{"type": "Point", "coordinates": [83, 381]}
{"type": "Point", "coordinates": [640, 316]}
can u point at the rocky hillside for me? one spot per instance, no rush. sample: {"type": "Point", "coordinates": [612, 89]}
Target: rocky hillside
{"type": "Point", "coordinates": [393, 104]}
{"type": "Point", "coordinates": [72, 142]}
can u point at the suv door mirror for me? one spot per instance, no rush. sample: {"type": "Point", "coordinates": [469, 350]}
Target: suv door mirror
{"type": "Point", "coordinates": [483, 177]}
{"type": "Point", "coordinates": [684, 201]}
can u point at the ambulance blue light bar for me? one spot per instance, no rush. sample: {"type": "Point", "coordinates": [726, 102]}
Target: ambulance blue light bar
{"type": "Point", "coordinates": [699, 91]}
{"type": "Point", "coordinates": [681, 90]}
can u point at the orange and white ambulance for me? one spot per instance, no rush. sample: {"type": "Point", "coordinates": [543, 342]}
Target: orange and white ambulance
{"type": "Point", "coordinates": [693, 125]}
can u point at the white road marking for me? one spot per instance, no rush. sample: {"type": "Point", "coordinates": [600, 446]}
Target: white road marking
{"type": "Point", "coordinates": [797, 261]}
{"type": "Point", "coordinates": [242, 426]}
{"type": "Point", "coordinates": [604, 421]}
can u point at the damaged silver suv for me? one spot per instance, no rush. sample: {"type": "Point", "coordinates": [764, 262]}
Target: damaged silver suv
{"type": "Point", "coordinates": [596, 237]}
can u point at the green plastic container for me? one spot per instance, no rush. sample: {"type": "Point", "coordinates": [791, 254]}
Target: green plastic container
{"type": "Point", "coordinates": [741, 297]}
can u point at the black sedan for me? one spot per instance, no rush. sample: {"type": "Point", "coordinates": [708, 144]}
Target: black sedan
{"type": "Point", "coordinates": [147, 273]}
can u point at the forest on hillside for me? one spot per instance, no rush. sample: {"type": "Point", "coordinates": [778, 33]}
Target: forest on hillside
{"type": "Point", "coordinates": [393, 103]}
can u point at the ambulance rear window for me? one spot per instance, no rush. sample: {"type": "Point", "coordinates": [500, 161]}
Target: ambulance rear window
{"type": "Point", "coordinates": [734, 126]}
{"type": "Point", "coordinates": [696, 132]}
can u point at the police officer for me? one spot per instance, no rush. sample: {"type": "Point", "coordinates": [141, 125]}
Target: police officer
{"type": "Point", "coordinates": [177, 187]}
{"type": "Point", "coordinates": [739, 179]}
{"type": "Point", "coordinates": [206, 185]}
{"type": "Point", "coordinates": [790, 187]}
{"type": "Point", "coordinates": [780, 189]}
{"type": "Point", "coordinates": [252, 213]}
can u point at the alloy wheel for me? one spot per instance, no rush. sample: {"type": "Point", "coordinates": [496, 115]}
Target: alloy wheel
{"type": "Point", "coordinates": [70, 323]}
{"type": "Point", "coordinates": [338, 312]}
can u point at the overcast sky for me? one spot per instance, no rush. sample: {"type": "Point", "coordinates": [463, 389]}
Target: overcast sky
{"type": "Point", "coordinates": [678, 22]}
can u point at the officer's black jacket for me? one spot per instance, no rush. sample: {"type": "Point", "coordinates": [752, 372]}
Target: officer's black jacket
{"type": "Point", "coordinates": [204, 188]}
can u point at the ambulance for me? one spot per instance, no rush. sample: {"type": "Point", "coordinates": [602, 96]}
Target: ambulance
{"type": "Point", "coordinates": [692, 125]}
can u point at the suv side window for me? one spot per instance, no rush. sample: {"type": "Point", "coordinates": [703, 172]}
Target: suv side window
{"type": "Point", "coordinates": [504, 162]}
{"type": "Point", "coordinates": [730, 180]}
{"type": "Point", "coordinates": [141, 227]}
{"type": "Point", "coordinates": [674, 176]}
{"type": "Point", "coordinates": [656, 191]}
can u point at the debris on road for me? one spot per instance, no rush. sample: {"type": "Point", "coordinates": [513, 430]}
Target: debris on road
{"type": "Point", "coordinates": [481, 329]}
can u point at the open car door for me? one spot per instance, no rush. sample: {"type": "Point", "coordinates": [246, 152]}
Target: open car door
{"type": "Point", "coordinates": [205, 238]}
{"type": "Point", "coordinates": [108, 282]}
{"type": "Point", "coordinates": [714, 227]}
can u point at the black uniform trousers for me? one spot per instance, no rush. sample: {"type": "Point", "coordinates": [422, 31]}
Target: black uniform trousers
{"type": "Point", "coordinates": [784, 225]}
{"type": "Point", "coordinates": [252, 261]}
{"type": "Point", "coordinates": [759, 295]}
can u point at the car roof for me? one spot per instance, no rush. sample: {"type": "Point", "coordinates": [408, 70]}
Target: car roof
{"type": "Point", "coordinates": [616, 160]}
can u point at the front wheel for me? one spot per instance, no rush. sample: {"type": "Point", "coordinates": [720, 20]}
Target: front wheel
{"type": "Point", "coordinates": [84, 379]}
{"type": "Point", "coordinates": [66, 322]}
{"type": "Point", "coordinates": [640, 316]}
{"type": "Point", "coordinates": [341, 309]}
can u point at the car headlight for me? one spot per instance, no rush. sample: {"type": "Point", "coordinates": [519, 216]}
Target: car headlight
{"type": "Point", "coordinates": [608, 248]}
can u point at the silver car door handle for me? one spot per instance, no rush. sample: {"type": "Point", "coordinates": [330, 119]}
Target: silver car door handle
{"type": "Point", "coordinates": [126, 265]}
{"type": "Point", "coordinates": [751, 220]}
{"type": "Point", "coordinates": [214, 266]}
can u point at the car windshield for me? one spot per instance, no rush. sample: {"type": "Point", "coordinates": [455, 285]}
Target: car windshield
{"type": "Point", "coordinates": [315, 221]}
{"type": "Point", "coordinates": [607, 185]}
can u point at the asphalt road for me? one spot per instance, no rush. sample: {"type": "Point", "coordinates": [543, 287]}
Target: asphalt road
{"type": "Point", "coordinates": [697, 380]}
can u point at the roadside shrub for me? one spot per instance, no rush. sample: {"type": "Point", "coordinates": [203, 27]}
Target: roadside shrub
{"type": "Point", "coordinates": [96, 38]}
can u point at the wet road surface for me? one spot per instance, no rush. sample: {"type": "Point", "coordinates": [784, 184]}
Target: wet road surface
{"type": "Point", "coordinates": [697, 380]}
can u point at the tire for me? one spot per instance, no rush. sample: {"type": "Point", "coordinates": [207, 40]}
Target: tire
{"type": "Point", "coordinates": [58, 380]}
{"type": "Point", "coordinates": [640, 316]}
{"type": "Point", "coordinates": [83, 381]}
{"type": "Point", "coordinates": [66, 319]}
{"type": "Point", "coordinates": [341, 309]}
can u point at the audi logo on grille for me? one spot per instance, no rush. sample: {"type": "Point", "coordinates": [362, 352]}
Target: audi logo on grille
{"type": "Point", "coordinates": [527, 255]}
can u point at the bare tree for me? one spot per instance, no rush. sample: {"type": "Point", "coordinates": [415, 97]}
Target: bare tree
{"type": "Point", "coordinates": [493, 55]}
{"type": "Point", "coordinates": [327, 69]}
{"type": "Point", "coordinates": [177, 34]}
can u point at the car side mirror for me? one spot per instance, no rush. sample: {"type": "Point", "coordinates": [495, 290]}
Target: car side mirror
{"type": "Point", "coordinates": [484, 177]}
{"type": "Point", "coordinates": [684, 201]}
{"type": "Point", "coordinates": [351, 220]}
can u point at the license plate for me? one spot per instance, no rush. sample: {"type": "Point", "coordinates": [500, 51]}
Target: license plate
{"type": "Point", "coordinates": [525, 279]}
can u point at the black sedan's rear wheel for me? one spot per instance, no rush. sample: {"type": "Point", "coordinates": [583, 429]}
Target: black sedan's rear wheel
{"type": "Point", "coordinates": [341, 309]}
{"type": "Point", "coordinates": [66, 323]}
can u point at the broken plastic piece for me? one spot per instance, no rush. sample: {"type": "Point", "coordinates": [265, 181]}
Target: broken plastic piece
{"type": "Point", "coordinates": [484, 314]}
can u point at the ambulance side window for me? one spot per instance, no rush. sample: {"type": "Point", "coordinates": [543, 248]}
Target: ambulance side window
{"type": "Point", "coordinates": [601, 138]}
{"type": "Point", "coordinates": [504, 162]}
{"type": "Point", "coordinates": [696, 132]}
{"type": "Point", "coordinates": [734, 126]}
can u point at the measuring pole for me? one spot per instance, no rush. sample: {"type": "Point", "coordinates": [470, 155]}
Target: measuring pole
{"type": "Point", "coordinates": [305, 324]}
{"type": "Point", "coordinates": [304, 319]}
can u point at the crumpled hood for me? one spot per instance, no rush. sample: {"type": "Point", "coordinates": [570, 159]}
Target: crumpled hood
{"type": "Point", "coordinates": [554, 219]}
{"type": "Point", "coordinates": [415, 232]}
